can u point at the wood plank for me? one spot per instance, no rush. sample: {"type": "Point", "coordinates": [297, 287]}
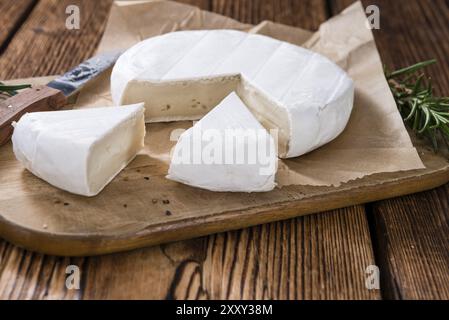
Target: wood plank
{"type": "Point", "coordinates": [411, 32]}
{"type": "Point", "coordinates": [316, 257]}
{"type": "Point", "coordinates": [306, 14]}
{"type": "Point", "coordinates": [14, 13]}
{"type": "Point", "coordinates": [28, 275]}
{"type": "Point", "coordinates": [322, 256]}
{"type": "Point", "coordinates": [411, 233]}
{"type": "Point", "coordinates": [41, 46]}
{"type": "Point", "coordinates": [203, 4]}
{"type": "Point", "coordinates": [412, 245]}
{"type": "Point", "coordinates": [44, 46]}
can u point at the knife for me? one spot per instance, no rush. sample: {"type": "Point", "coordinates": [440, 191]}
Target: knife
{"type": "Point", "coordinates": [52, 96]}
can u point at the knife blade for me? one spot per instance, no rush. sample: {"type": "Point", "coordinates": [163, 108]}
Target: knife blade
{"type": "Point", "coordinates": [72, 81]}
{"type": "Point", "coordinates": [54, 95]}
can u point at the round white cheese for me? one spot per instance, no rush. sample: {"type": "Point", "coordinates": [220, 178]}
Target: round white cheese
{"type": "Point", "coordinates": [183, 75]}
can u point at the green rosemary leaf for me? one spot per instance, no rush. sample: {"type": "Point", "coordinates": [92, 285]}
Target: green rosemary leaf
{"type": "Point", "coordinates": [7, 91]}
{"type": "Point", "coordinates": [411, 69]}
{"type": "Point", "coordinates": [14, 87]}
{"type": "Point", "coordinates": [412, 112]}
{"type": "Point", "coordinates": [442, 120]}
{"type": "Point", "coordinates": [426, 121]}
{"type": "Point", "coordinates": [416, 121]}
{"type": "Point", "coordinates": [427, 114]}
{"type": "Point", "coordinates": [417, 84]}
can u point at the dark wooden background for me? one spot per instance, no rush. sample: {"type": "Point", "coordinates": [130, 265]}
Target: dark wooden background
{"type": "Point", "coordinates": [322, 256]}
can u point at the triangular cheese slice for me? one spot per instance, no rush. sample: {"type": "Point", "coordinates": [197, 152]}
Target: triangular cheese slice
{"type": "Point", "coordinates": [79, 151]}
{"type": "Point", "coordinates": [227, 150]}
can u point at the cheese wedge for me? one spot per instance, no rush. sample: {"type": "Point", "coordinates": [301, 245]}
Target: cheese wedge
{"type": "Point", "coordinates": [183, 75]}
{"type": "Point", "coordinates": [227, 150]}
{"type": "Point", "coordinates": [79, 151]}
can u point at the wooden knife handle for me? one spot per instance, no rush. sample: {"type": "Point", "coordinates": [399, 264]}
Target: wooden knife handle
{"type": "Point", "coordinates": [37, 98]}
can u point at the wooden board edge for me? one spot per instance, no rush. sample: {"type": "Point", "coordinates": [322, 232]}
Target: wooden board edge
{"type": "Point", "coordinates": [90, 245]}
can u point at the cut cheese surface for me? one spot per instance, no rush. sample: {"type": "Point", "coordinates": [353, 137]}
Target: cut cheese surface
{"type": "Point", "coordinates": [183, 75]}
{"type": "Point", "coordinates": [79, 151]}
{"type": "Point", "coordinates": [227, 150]}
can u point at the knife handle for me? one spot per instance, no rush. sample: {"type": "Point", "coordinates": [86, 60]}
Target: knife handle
{"type": "Point", "coordinates": [37, 98]}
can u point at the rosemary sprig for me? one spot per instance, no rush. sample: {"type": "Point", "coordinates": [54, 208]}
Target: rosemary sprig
{"type": "Point", "coordinates": [426, 114]}
{"type": "Point", "coordinates": [7, 91]}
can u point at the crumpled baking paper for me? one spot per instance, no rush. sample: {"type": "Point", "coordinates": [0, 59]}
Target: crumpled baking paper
{"type": "Point", "coordinates": [375, 139]}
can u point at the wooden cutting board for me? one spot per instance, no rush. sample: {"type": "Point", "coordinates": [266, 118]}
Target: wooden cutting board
{"type": "Point", "coordinates": [141, 208]}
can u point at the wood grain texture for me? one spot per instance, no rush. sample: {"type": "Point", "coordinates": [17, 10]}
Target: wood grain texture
{"type": "Point", "coordinates": [411, 233]}
{"type": "Point", "coordinates": [28, 275]}
{"type": "Point", "coordinates": [413, 245]}
{"type": "Point", "coordinates": [316, 257]}
{"type": "Point", "coordinates": [306, 14]}
{"type": "Point", "coordinates": [410, 32]}
{"type": "Point", "coordinates": [304, 258]}
{"type": "Point", "coordinates": [202, 4]}
{"type": "Point", "coordinates": [14, 13]}
{"type": "Point", "coordinates": [44, 46]}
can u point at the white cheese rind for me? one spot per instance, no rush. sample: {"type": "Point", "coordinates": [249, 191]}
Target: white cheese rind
{"type": "Point", "coordinates": [254, 172]}
{"type": "Point", "coordinates": [183, 75]}
{"type": "Point", "coordinates": [79, 151]}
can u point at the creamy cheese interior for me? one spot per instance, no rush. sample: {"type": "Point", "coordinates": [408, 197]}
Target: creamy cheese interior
{"type": "Point", "coordinates": [113, 152]}
{"type": "Point", "coordinates": [196, 97]}
{"type": "Point", "coordinates": [179, 100]}
{"type": "Point", "coordinates": [268, 113]}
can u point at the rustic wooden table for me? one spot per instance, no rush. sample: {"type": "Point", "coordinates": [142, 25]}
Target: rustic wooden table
{"type": "Point", "coordinates": [322, 256]}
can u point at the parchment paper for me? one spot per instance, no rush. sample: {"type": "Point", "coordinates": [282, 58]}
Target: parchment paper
{"type": "Point", "coordinates": [375, 139]}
